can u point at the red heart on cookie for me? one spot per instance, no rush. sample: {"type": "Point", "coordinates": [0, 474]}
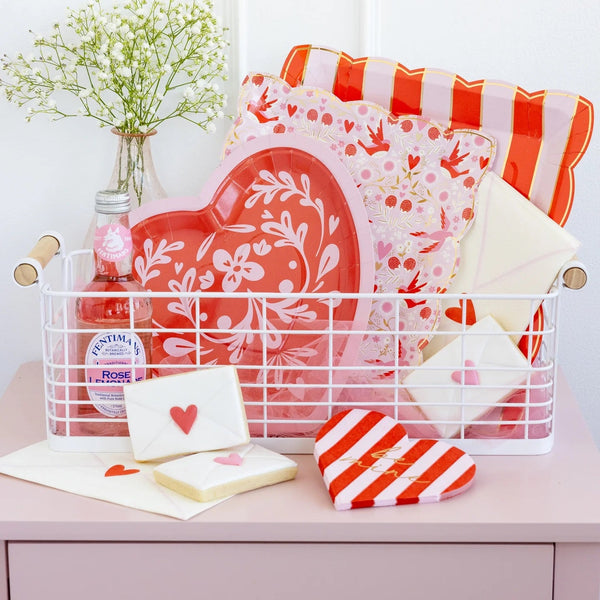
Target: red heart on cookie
{"type": "Point", "coordinates": [366, 459]}
{"type": "Point", "coordinates": [184, 419]}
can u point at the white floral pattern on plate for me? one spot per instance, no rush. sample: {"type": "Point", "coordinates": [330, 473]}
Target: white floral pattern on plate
{"type": "Point", "coordinates": [277, 217]}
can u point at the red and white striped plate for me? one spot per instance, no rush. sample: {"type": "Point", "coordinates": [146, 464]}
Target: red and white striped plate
{"type": "Point", "coordinates": [366, 459]}
{"type": "Point", "coordinates": [541, 135]}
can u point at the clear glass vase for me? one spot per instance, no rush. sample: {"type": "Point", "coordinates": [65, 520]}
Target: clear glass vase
{"type": "Point", "coordinates": [134, 168]}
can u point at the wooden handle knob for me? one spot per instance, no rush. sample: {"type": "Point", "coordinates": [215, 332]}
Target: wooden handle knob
{"type": "Point", "coordinates": [574, 277]}
{"type": "Point", "coordinates": [26, 274]}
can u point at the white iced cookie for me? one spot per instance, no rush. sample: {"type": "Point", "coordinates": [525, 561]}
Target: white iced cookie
{"type": "Point", "coordinates": [185, 413]}
{"type": "Point", "coordinates": [464, 379]}
{"type": "Point", "coordinates": [208, 476]}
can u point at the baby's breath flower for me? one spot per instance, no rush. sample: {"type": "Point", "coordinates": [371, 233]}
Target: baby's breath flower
{"type": "Point", "coordinates": [102, 59]}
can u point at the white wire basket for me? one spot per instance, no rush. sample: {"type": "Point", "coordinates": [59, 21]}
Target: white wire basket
{"type": "Point", "coordinates": [289, 398]}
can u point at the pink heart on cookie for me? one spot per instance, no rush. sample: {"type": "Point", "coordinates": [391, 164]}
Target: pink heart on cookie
{"type": "Point", "coordinates": [366, 459]}
{"type": "Point", "coordinates": [233, 459]}
{"type": "Point", "coordinates": [469, 374]}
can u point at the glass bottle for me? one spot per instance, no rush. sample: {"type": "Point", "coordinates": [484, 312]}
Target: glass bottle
{"type": "Point", "coordinates": [134, 172]}
{"type": "Point", "coordinates": [114, 352]}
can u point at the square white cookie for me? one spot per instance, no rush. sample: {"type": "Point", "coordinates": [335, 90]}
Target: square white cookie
{"type": "Point", "coordinates": [207, 476]}
{"type": "Point", "coordinates": [464, 379]}
{"type": "Point", "coordinates": [185, 413]}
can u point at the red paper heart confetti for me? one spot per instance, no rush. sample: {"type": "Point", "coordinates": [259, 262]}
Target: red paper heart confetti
{"type": "Point", "coordinates": [232, 459]}
{"type": "Point", "coordinates": [413, 161]}
{"type": "Point", "coordinates": [118, 470]}
{"type": "Point", "coordinates": [184, 418]}
{"type": "Point", "coordinates": [366, 459]}
{"type": "Point", "coordinates": [455, 313]}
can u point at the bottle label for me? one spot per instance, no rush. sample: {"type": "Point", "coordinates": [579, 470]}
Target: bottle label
{"type": "Point", "coordinates": [108, 360]}
{"type": "Point", "coordinates": [112, 242]}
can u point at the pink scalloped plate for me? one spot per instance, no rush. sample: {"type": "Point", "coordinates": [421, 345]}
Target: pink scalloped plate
{"type": "Point", "coordinates": [417, 182]}
{"type": "Point", "coordinates": [280, 215]}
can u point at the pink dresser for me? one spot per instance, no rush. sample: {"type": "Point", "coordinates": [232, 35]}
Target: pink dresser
{"type": "Point", "coordinates": [529, 529]}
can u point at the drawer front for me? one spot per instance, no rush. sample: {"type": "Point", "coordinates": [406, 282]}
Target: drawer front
{"type": "Point", "coordinates": [229, 571]}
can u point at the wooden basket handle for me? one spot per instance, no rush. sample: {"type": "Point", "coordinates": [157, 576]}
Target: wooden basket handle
{"type": "Point", "coordinates": [574, 275]}
{"type": "Point", "coordinates": [27, 271]}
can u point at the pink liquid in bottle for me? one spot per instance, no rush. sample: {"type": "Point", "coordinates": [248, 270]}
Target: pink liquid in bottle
{"type": "Point", "coordinates": [115, 351]}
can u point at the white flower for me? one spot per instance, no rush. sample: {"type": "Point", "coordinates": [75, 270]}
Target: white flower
{"type": "Point", "coordinates": [190, 93]}
{"type": "Point", "coordinates": [161, 45]}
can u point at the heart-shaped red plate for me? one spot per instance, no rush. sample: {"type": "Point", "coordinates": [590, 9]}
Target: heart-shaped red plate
{"type": "Point", "coordinates": [366, 459]}
{"type": "Point", "coordinates": [280, 215]}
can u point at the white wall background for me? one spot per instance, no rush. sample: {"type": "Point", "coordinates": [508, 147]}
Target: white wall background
{"type": "Point", "coordinates": [49, 172]}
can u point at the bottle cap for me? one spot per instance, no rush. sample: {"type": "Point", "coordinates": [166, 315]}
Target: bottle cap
{"type": "Point", "coordinates": [110, 202]}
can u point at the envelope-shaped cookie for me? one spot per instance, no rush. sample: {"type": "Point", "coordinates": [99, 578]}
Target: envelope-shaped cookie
{"type": "Point", "coordinates": [467, 377]}
{"type": "Point", "coordinates": [185, 413]}
{"type": "Point", "coordinates": [113, 477]}
{"type": "Point", "coordinates": [211, 475]}
{"type": "Point", "coordinates": [511, 248]}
